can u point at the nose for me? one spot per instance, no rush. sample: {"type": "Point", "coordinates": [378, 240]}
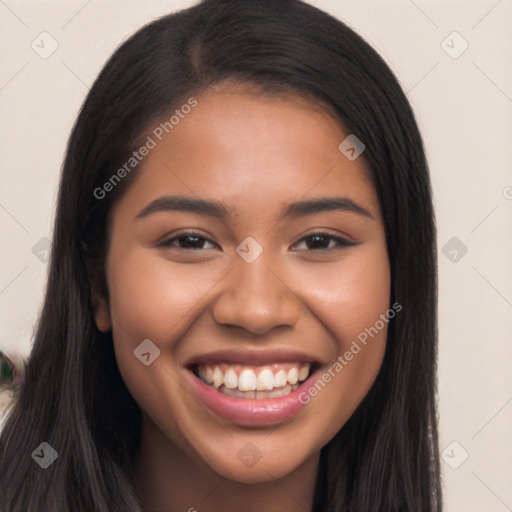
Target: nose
{"type": "Point", "coordinates": [255, 297]}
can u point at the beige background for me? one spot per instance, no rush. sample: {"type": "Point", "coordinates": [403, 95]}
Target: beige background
{"type": "Point", "coordinates": [464, 108]}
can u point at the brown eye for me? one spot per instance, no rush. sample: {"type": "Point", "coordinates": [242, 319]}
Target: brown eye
{"type": "Point", "coordinates": [322, 241]}
{"type": "Point", "coordinates": [186, 240]}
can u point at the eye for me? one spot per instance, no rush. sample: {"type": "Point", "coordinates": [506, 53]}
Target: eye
{"type": "Point", "coordinates": [187, 240]}
{"type": "Point", "coordinates": [193, 241]}
{"type": "Point", "coordinates": [322, 241]}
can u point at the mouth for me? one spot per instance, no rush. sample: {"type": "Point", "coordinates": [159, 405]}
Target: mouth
{"type": "Point", "coordinates": [258, 382]}
{"type": "Point", "coordinates": [252, 389]}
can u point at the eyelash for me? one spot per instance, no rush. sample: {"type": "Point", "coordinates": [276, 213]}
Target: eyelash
{"type": "Point", "coordinates": [342, 242]}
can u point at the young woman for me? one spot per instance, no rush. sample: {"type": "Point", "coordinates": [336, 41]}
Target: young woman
{"type": "Point", "coordinates": [241, 306]}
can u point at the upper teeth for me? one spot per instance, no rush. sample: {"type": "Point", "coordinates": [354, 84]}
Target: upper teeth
{"type": "Point", "coordinates": [249, 379]}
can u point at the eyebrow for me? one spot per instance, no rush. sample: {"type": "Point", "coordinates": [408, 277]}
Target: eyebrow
{"type": "Point", "coordinates": [221, 211]}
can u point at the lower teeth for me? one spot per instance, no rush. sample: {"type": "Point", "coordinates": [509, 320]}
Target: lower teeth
{"type": "Point", "coordinates": [259, 394]}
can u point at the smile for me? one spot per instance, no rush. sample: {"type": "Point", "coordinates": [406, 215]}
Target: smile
{"type": "Point", "coordinates": [252, 390]}
{"type": "Point", "coordinates": [257, 382]}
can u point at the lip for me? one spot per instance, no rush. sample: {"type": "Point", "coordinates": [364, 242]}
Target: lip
{"type": "Point", "coordinates": [252, 357]}
{"type": "Point", "coordinates": [249, 412]}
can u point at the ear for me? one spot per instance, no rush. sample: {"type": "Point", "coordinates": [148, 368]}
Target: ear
{"type": "Point", "coordinates": [100, 305]}
{"type": "Point", "coordinates": [101, 312]}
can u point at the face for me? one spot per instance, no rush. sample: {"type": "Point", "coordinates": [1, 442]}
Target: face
{"type": "Point", "coordinates": [241, 324]}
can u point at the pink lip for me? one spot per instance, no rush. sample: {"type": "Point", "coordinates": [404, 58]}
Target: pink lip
{"type": "Point", "coordinates": [249, 412]}
{"type": "Point", "coordinates": [252, 357]}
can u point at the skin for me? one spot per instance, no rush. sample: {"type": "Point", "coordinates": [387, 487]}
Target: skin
{"type": "Point", "coordinates": [255, 153]}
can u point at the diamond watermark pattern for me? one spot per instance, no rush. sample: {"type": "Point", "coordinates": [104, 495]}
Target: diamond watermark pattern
{"type": "Point", "coordinates": [44, 45]}
{"type": "Point", "coordinates": [455, 455]}
{"type": "Point", "coordinates": [454, 249]}
{"type": "Point", "coordinates": [44, 455]}
{"type": "Point", "coordinates": [41, 249]}
{"type": "Point", "coordinates": [351, 147]}
{"type": "Point", "coordinates": [454, 45]}
{"type": "Point", "coordinates": [249, 249]}
{"type": "Point", "coordinates": [249, 455]}
{"type": "Point", "coordinates": [147, 352]}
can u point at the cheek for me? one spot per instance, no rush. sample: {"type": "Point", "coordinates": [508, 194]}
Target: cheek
{"type": "Point", "coordinates": [151, 297]}
{"type": "Point", "coordinates": [354, 307]}
{"type": "Point", "coordinates": [350, 295]}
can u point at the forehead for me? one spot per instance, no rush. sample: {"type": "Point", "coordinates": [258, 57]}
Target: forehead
{"type": "Point", "coordinates": [234, 124]}
{"type": "Point", "coordinates": [249, 150]}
